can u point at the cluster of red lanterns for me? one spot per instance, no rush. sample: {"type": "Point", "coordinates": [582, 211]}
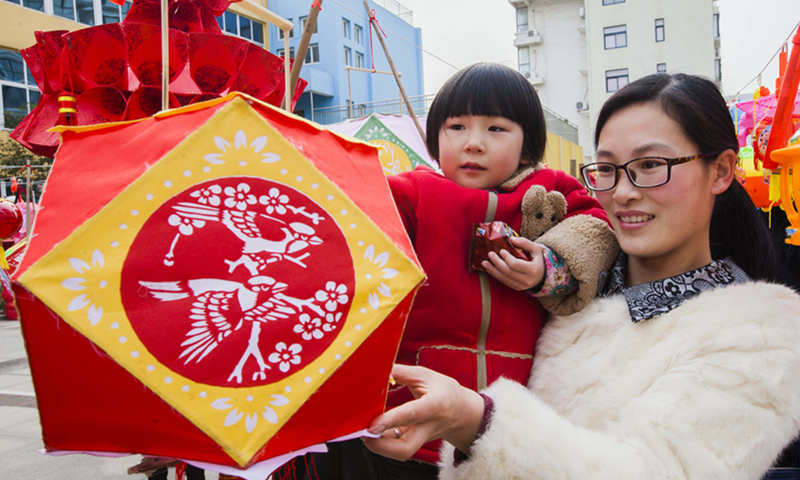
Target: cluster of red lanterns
{"type": "Point", "coordinates": [112, 72]}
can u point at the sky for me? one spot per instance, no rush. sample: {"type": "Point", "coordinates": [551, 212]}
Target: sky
{"type": "Point", "coordinates": [463, 32]}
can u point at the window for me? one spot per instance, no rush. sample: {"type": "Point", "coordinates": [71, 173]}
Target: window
{"type": "Point", "coordinates": [522, 19]}
{"type": "Point", "coordinates": [358, 32]}
{"type": "Point", "coordinates": [616, 79]}
{"type": "Point", "coordinates": [243, 27]}
{"type": "Point", "coordinates": [716, 25]}
{"type": "Point", "coordinates": [718, 70]}
{"type": "Point", "coordinates": [32, 4]}
{"type": "Point", "coordinates": [359, 60]}
{"type": "Point", "coordinates": [291, 52]}
{"type": "Point", "coordinates": [659, 30]}
{"type": "Point", "coordinates": [113, 13]}
{"type": "Point", "coordinates": [81, 11]}
{"type": "Point", "coordinates": [347, 60]}
{"type": "Point", "coordinates": [312, 54]}
{"type": "Point", "coordinates": [615, 37]}
{"type": "Point", "coordinates": [661, 68]}
{"type": "Point", "coordinates": [303, 21]}
{"type": "Point", "coordinates": [346, 28]}
{"type": "Point", "coordinates": [19, 93]}
{"type": "Point", "coordinates": [524, 59]}
{"type": "Point", "coordinates": [612, 2]}
{"type": "Point", "coordinates": [280, 32]}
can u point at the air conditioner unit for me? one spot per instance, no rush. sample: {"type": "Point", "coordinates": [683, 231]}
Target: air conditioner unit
{"type": "Point", "coordinates": [532, 33]}
{"type": "Point", "coordinates": [581, 106]}
{"type": "Point", "coordinates": [527, 74]}
{"type": "Point", "coordinates": [582, 12]}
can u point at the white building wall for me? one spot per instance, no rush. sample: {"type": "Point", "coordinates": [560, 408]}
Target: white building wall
{"type": "Point", "coordinates": [571, 60]}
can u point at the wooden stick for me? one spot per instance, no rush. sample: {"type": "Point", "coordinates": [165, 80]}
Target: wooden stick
{"type": "Point", "coordinates": [311, 22]}
{"type": "Point", "coordinates": [287, 94]}
{"type": "Point", "coordinates": [394, 71]}
{"type": "Point", "coordinates": [164, 55]}
{"type": "Point", "coordinates": [266, 15]}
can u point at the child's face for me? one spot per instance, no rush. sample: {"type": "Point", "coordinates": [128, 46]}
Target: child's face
{"type": "Point", "coordinates": [480, 152]}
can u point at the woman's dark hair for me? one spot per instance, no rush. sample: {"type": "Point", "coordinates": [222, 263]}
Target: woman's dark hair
{"type": "Point", "coordinates": [695, 104]}
{"type": "Point", "coordinates": [491, 90]}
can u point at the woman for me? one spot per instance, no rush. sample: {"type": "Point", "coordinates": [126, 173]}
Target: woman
{"type": "Point", "coordinates": [686, 365]}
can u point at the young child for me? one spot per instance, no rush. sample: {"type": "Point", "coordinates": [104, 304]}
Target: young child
{"type": "Point", "coordinates": [486, 128]}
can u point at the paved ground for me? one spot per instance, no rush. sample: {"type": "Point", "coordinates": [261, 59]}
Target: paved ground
{"type": "Point", "coordinates": [20, 433]}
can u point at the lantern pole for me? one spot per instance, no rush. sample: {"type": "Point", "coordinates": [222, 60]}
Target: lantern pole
{"type": "Point", "coordinates": [308, 30]}
{"type": "Point", "coordinates": [28, 206]}
{"type": "Point", "coordinates": [377, 29]}
{"type": "Point", "coordinates": [164, 55]}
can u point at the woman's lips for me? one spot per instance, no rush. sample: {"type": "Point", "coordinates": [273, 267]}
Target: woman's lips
{"type": "Point", "coordinates": [633, 222]}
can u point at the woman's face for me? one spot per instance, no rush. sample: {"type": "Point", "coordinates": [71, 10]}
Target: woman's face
{"type": "Point", "coordinates": [669, 223]}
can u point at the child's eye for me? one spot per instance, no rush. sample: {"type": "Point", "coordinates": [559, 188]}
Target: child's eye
{"type": "Point", "coordinates": [497, 129]}
{"type": "Point", "coordinates": [456, 126]}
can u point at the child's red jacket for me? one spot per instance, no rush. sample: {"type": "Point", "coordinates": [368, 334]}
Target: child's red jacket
{"type": "Point", "coordinates": [470, 326]}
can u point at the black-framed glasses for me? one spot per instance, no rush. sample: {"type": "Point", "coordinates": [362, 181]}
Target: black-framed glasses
{"type": "Point", "coordinates": [645, 172]}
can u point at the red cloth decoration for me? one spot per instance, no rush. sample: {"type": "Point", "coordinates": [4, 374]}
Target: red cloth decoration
{"type": "Point", "coordinates": [371, 19]}
{"type": "Point", "coordinates": [121, 59]}
{"type": "Point", "coordinates": [10, 219]}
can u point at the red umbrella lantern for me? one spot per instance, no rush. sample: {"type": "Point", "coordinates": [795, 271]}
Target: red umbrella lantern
{"type": "Point", "coordinates": [231, 289]}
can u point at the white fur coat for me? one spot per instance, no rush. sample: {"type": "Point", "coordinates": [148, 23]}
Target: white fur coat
{"type": "Point", "coordinates": [710, 390]}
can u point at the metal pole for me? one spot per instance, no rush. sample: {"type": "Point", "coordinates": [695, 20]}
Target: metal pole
{"type": "Point", "coordinates": [28, 207]}
{"type": "Point", "coordinates": [349, 93]}
{"type": "Point", "coordinates": [311, 97]}
{"type": "Point", "coordinates": [376, 27]}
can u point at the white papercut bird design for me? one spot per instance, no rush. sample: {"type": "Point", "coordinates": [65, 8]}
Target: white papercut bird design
{"type": "Point", "coordinates": [213, 320]}
{"type": "Point", "coordinates": [257, 251]}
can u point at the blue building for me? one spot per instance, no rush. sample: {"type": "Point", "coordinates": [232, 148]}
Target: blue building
{"type": "Point", "coordinates": [342, 38]}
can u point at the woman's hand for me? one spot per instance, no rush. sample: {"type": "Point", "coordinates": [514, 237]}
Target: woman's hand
{"type": "Point", "coordinates": [517, 273]}
{"type": "Point", "coordinates": [442, 409]}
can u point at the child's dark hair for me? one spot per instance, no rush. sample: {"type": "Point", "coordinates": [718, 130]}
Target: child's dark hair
{"type": "Point", "coordinates": [490, 90]}
{"type": "Point", "coordinates": [695, 104]}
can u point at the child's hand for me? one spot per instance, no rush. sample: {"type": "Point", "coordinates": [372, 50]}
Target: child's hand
{"type": "Point", "coordinates": [514, 272]}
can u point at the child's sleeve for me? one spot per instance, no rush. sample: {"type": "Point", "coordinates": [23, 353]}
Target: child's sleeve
{"type": "Point", "coordinates": [558, 280]}
{"type": "Point", "coordinates": [586, 243]}
{"type": "Point", "coordinates": [405, 191]}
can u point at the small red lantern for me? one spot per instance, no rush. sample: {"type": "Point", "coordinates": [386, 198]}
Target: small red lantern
{"type": "Point", "coordinates": [10, 223]}
{"type": "Point", "coordinates": [10, 219]}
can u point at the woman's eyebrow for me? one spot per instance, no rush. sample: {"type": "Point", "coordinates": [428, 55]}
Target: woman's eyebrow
{"type": "Point", "coordinates": [644, 149]}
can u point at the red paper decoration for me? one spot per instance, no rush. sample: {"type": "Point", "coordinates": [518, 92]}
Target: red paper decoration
{"type": "Point", "coordinates": [123, 60]}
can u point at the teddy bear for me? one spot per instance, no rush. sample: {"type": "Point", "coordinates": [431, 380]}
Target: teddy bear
{"type": "Point", "coordinates": [541, 210]}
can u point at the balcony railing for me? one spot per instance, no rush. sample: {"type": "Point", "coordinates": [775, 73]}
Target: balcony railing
{"type": "Point", "coordinates": [421, 104]}
{"type": "Point", "coordinates": [401, 11]}
{"type": "Point", "coordinates": [340, 113]}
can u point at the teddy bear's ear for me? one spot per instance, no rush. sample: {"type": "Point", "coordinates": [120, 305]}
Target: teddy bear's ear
{"type": "Point", "coordinates": [533, 199]}
{"type": "Point", "coordinates": [559, 204]}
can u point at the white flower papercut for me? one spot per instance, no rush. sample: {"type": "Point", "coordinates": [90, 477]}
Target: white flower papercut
{"type": "Point", "coordinates": [76, 284]}
{"type": "Point", "coordinates": [240, 141]}
{"type": "Point", "coordinates": [208, 195]}
{"type": "Point", "coordinates": [330, 321]}
{"type": "Point", "coordinates": [286, 356]}
{"type": "Point", "coordinates": [332, 295]}
{"type": "Point", "coordinates": [385, 273]}
{"type": "Point", "coordinates": [274, 201]}
{"type": "Point", "coordinates": [185, 225]}
{"type": "Point", "coordinates": [375, 131]}
{"type": "Point", "coordinates": [250, 417]}
{"type": "Point", "coordinates": [308, 327]}
{"type": "Point", "coordinates": [239, 197]}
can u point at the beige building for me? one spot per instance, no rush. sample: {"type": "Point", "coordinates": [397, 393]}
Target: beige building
{"type": "Point", "coordinates": [577, 53]}
{"type": "Point", "coordinates": [21, 18]}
